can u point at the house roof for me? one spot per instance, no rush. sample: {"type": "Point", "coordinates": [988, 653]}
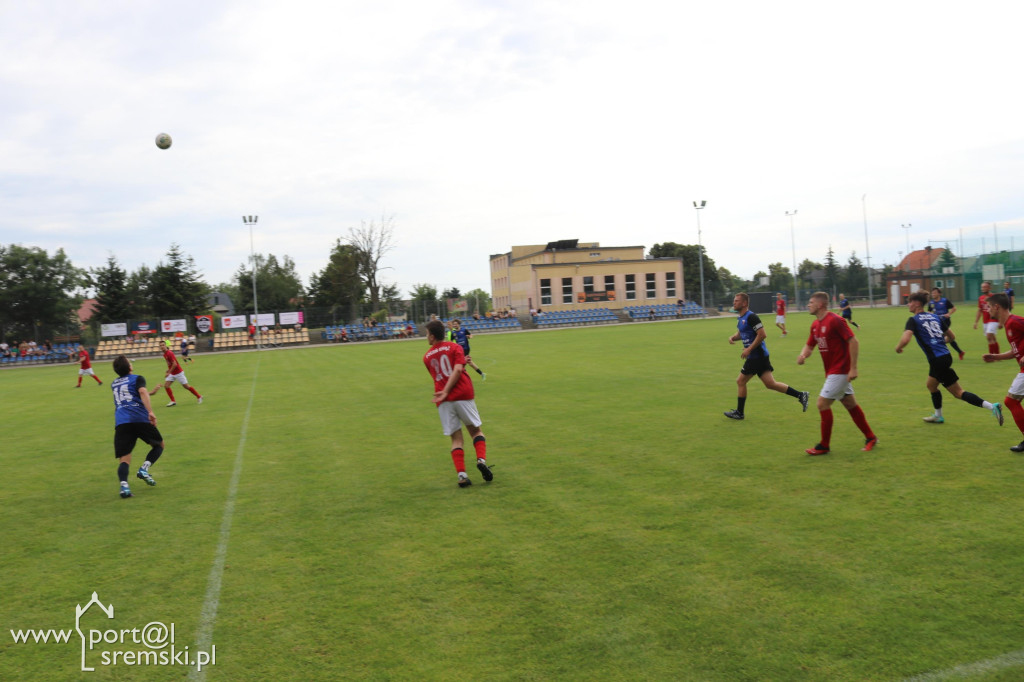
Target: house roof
{"type": "Point", "coordinates": [922, 259]}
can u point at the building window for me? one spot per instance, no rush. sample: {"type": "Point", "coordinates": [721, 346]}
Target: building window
{"type": "Point", "coordinates": [567, 290]}
{"type": "Point", "coordinates": [652, 289]}
{"type": "Point", "coordinates": [609, 282]}
{"type": "Point", "coordinates": [670, 284]}
{"type": "Point", "coordinates": [950, 283]}
{"type": "Point", "coordinates": [630, 287]}
{"type": "Point", "coordinates": [588, 284]}
{"type": "Point", "coordinates": [545, 292]}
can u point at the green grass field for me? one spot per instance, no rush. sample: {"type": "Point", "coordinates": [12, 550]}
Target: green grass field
{"type": "Point", "coordinates": [631, 532]}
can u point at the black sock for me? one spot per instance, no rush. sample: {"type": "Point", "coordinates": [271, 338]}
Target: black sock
{"type": "Point", "coordinates": [122, 472]}
{"type": "Point", "coordinates": [971, 399]}
{"type": "Point", "coordinates": [955, 346]}
{"type": "Point", "coordinates": [154, 454]}
{"type": "Point", "coordinates": [740, 403]}
{"type": "Point", "coordinates": [937, 400]}
{"type": "Point", "coordinates": [793, 392]}
{"type": "Point", "coordinates": [479, 371]}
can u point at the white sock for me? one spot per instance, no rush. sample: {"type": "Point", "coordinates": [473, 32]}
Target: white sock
{"type": "Point", "coordinates": [145, 465]}
{"type": "Point", "coordinates": [987, 405]}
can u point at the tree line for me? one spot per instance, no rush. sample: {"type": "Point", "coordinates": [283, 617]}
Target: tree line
{"type": "Point", "coordinates": [41, 293]}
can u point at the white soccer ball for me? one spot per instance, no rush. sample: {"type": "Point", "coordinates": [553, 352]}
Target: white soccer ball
{"type": "Point", "coordinates": [163, 140]}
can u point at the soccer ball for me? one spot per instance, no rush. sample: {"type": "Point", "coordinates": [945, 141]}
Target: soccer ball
{"type": "Point", "coordinates": [163, 140]}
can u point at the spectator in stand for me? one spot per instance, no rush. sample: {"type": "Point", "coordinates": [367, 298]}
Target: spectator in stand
{"type": "Point", "coordinates": [252, 331]}
{"type": "Point", "coordinates": [5, 350]}
{"type": "Point", "coordinates": [86, 367]}
{"type": "Point", "coordinates": [651, 314]}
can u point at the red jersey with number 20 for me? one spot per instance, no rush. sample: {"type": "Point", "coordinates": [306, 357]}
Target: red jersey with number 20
{"type": "Point", "coordinates": [1014, 327]}
{"type": "Point", "coordinates": [832, 335]}
{"type": "Point", "coordinates": [440, 361]}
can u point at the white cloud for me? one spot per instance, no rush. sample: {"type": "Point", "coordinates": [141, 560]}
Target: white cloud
{"type": "Point", "coordinates": [479, 125]}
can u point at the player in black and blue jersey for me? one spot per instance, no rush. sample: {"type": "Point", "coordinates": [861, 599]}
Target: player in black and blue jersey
{"type": "Point", "coordinates": [751, 331]}
{"type": "Point", "coordinates": [134, 420]}
{"type": "Point", "coordinates": [930, 333]}
{"type": "Point", "coordinates": [457, 334]}
{"type": "Point", "coordinates": [941, 306]}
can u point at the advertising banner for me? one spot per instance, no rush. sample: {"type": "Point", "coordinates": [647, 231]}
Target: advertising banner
{"type": "Point", "coordinates": [204, 323]}
{"type": "Point", "coordinates": [115, 329]}
{"type": "Point", "coordinates": [291, 318]}
{"type": "Point", "coordinates": [265, 319]}
{"type": "Point", "coordinates": [144, 328]}
{"type": "Point", "coordinates": [171, 326]}
{"type": "Point", "coordinates": [232, 322]}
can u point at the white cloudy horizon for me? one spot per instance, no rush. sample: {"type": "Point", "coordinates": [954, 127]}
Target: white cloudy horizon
{"type": "Point", "coordinates": [479, 125]}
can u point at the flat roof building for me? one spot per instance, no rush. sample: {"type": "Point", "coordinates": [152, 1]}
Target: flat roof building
{"type": "Point", "coordinates": [569, 275]}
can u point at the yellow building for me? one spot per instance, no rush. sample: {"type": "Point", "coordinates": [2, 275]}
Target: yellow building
{"type": "Point", "coordinates": [568, 275]}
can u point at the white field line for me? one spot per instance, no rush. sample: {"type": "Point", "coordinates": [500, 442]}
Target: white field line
{"type": "Point", "coordinates": [966, 671]}
{"type": "Point", "coordinates": [208, 617]}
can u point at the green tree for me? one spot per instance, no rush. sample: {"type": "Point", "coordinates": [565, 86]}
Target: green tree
{"type": "Point", "coordinates": [691, 253]}
{"type": "Point", "coordinates": [112, 295]}
{"type": "Point", "coordinates": [339, 284]}
{"type": "Point", "coordinates": [37, 291]}
{"type": "Point", "coordinates": [278, 285]}
{"type": "Point", "coordinates": [479, 301]}
{"type": "Point", "coordinates": [832, 271]}
{"type": "Point", "coordinates": [424, 302]}
{"type": "Point", "coordinates": [176, 287]}
{"type": "Point", "coordinates": [855, 276]}
{"type": "Point", "coordinates": [947, 260]}
{"type": "Point", "coordinates": [804, 272]}
{"type": "Point", "coordinates": [138, 293]}
{"type": "Point", "coordinates": [780, 277]}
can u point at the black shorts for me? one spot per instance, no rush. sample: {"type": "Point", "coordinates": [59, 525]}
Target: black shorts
{"type": "Point", "coordinates": [941, 368]}
{"type": "Point", "coordinates": [756, 366]}
{"type": "Point", "coordinates": [847, 314]}
{"type": "Point", "coordinates": [125, 436]}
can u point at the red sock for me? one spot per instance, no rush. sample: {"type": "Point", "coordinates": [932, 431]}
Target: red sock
{"type": "Point", "coordinates": [826, 428]}
{"type": "Point", "coordinates": [79, 379]}
{"type": "Point", "coordinates": [169, 394]}
{"type": "Point", "coordinates": [459, 460]}
{"type": "Point", "coordinates": [480, 445]}
{"type": "Point", "coordinates": [97, 379]}
{"type": "Point", "coordinates": [194, 392]}
{"type": "Point", "coordinates": [993, 347]}
{"type": "Point", "coordinates": [862, 422]}
{"type": "Point", "coordinates": [1017, 411]}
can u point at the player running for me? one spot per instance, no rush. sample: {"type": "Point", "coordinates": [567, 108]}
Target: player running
{"type": "Point", "coordinates": [929, 330]}
{"type": "Point", "coordinates": [941, 306]}
{"type": "Point", "coordinates": [453, 395]}
{"type": "Point", "coordinates": [755, 358]}
{"type": "Point", "coordinates": [461, 336]}
{"type": "Point", "coordinates": [780, 312]}
{"type": "Point", "coordinates": [990, 324]}
{"type": "Point", "coordinates": [999, 305]}
{"type": "Point", "coordinates": [85, 367]}
{"type": "Point", "coordinates": [839, 349]}
{"type": "Point", "coordinates": [174, 373]}
{"type": "Point", "coordinates": [846, 310]}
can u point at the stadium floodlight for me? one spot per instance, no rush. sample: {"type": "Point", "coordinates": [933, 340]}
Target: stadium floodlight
{"type": "Point", "coordinates": [792, 241]}
{"type": "Point", "coordinates": [250, 221]}
{"type": "Point", "coordinates": [700, 254]}
{"type": "Point", "coordinates": [907, 228]}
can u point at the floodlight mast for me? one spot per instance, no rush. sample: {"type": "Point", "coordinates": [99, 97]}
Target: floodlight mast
{"type": "Point", "coordinates": [700, 254]}
{"type": "Point", "coordinates": [250, 221]}
{"type": "Point", "coordinates": [792, 241]}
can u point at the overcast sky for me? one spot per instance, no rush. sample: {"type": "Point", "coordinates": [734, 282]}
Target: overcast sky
{"type": "Point", "coordinates": [479, 125]}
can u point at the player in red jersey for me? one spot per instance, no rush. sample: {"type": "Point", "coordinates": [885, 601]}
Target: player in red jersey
{"type": "Point", "coordinates": [85, 367]}
{"type": "Point", "coordinates": [999, 308]}
{"type": "Point", "coordinates": [453, 395]}
{"type": "Point", "coordinates": [990, 324]}
{"type": "Point", "coordinates": [780, 313]}
{"type": "Point", "coordinates": [839, 349]}
{"type": "Point", "coordinates": [174, 373]}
